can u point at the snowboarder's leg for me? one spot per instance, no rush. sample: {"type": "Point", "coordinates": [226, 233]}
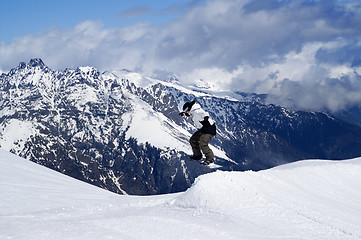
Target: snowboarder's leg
{"type": "Point", "coordinates": [203, 143]}
{"type": "Point", "coordinates": [194, 141]}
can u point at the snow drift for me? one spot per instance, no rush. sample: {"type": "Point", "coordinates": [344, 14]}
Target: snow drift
{"type": "Point", "coordinates": [309, 199]}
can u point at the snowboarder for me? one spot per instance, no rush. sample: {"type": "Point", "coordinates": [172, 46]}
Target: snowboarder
{"type": "Point", "coordinates": [206, 131]}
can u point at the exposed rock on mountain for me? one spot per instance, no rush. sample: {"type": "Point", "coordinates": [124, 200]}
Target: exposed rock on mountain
{"type": "Point", "coordinates": [121, 131]}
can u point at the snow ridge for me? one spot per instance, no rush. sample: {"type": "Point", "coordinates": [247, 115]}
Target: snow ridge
{"type": "Point", "coordinates": [310, 199]}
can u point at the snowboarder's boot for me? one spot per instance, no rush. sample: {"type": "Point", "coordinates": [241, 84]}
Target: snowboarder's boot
{"type": "Point", "coordinates": [207, 162]}
{"type": "Point", "coordinates": [195, 158]}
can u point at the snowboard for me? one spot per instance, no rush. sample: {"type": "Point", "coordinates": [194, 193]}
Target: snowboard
{"type": "Point", "coordinates": [201, 162]}
{"type": "Point", "coordinates": [211, 165]}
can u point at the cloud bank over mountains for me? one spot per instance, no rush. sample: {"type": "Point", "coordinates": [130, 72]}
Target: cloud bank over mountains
{"type": "Point", "coordinates": [307, 54]}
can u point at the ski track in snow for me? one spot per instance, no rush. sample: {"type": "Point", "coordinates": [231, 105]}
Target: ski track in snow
{"type": "Point", "coordinates": [309, 199]}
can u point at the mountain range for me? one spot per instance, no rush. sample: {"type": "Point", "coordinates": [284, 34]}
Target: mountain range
{"type": "Point", "coordinates": [121, 131]}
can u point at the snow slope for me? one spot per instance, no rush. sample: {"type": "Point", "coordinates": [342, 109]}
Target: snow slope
{"type": "Point", "coordinates": [304, 200]}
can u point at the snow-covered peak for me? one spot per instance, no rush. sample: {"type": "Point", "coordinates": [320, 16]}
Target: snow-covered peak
{"type": "Point", "coordinates": [200, 83]}
{"type": "Point", "coordinates": [33, 73]}
{"type": "Point", "coordinates": [89, 70]}
{"type": "Point", "coordinates": [37, 62]}
{"type": "Point", "coordinates": [137, 79]}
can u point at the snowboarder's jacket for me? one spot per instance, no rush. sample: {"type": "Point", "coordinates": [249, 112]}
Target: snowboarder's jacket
{"type": "Point", "coordinates": [201, 118]}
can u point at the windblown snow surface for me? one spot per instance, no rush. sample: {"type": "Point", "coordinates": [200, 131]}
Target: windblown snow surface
{"type": "Point", "coordinates": [310, 199]}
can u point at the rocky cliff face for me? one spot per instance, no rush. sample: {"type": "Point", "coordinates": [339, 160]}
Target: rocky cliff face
{"type": "Point", "coordinates": [121, 131]}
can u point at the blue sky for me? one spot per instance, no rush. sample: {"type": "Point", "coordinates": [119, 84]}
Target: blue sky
{"type": "Point", "coordinates": [305, 53]}
{"type": "Point", "coordinates": [21, 17]}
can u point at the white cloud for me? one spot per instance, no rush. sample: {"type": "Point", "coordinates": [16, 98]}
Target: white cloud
{"type": "Point", "coordinates": [134, 12]}
{"type": "Point", "coordinates": [288, 48]}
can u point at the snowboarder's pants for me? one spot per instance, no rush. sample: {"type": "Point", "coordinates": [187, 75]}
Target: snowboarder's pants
{"type": "Point", "coordinates": [199, 141]}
